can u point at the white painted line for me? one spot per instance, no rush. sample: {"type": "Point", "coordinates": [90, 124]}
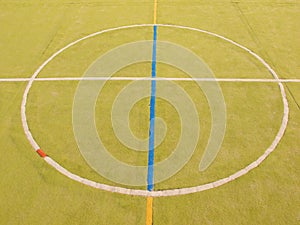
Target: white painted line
{"type": "Point", "coordinates": [14, 79]}
{"type": "Point", "coordinates": [245, 80]}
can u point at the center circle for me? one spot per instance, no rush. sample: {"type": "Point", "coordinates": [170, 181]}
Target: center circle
{"type": "Point", "coordinates": [170, 192]}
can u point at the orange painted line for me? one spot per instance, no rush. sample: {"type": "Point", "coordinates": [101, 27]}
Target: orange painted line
{"type": "Point", "coordinates": [41, 153]}
{"type": "Point", "coordinates": [149, 212]}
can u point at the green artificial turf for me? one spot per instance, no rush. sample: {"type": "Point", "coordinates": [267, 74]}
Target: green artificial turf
{"type": "Point", "coordinates": [32, 192]}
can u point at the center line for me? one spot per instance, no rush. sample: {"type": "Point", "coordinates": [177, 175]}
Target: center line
{"type": "Point", "coordinates": [152, 115]}
{"type": "Point", "coordinates": [150, 175]}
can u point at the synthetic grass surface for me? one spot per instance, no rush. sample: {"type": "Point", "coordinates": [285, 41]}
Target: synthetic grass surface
{"type": "Point", "coordinates": [34, 193]}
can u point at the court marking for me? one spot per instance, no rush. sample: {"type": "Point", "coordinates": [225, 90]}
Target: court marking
{"type": "Point", "coordinates": [151, 152]}
{"type": "Point", "coordinates": [169, 192]}
{"type": "Point", "coordinates": [155, 12]}
{"type": "Point", "coordinates": [150, 175]}
{"type": "Point", "coordinates": [149, 211]}
{"type": "Point", "coordinates": [241, 80]}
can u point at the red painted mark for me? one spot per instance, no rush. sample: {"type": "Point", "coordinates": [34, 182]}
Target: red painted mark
{"type": "Point", "coordinates": [41, 153]}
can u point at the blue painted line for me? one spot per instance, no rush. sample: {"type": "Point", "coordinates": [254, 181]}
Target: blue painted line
{"type": "Point", "coordinates": [150, 176]}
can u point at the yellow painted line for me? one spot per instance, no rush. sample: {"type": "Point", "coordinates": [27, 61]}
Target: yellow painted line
{"type": "Point", "coordinates": [155, 12]}
{"type": "Point", "coordinates": [149, 213]}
